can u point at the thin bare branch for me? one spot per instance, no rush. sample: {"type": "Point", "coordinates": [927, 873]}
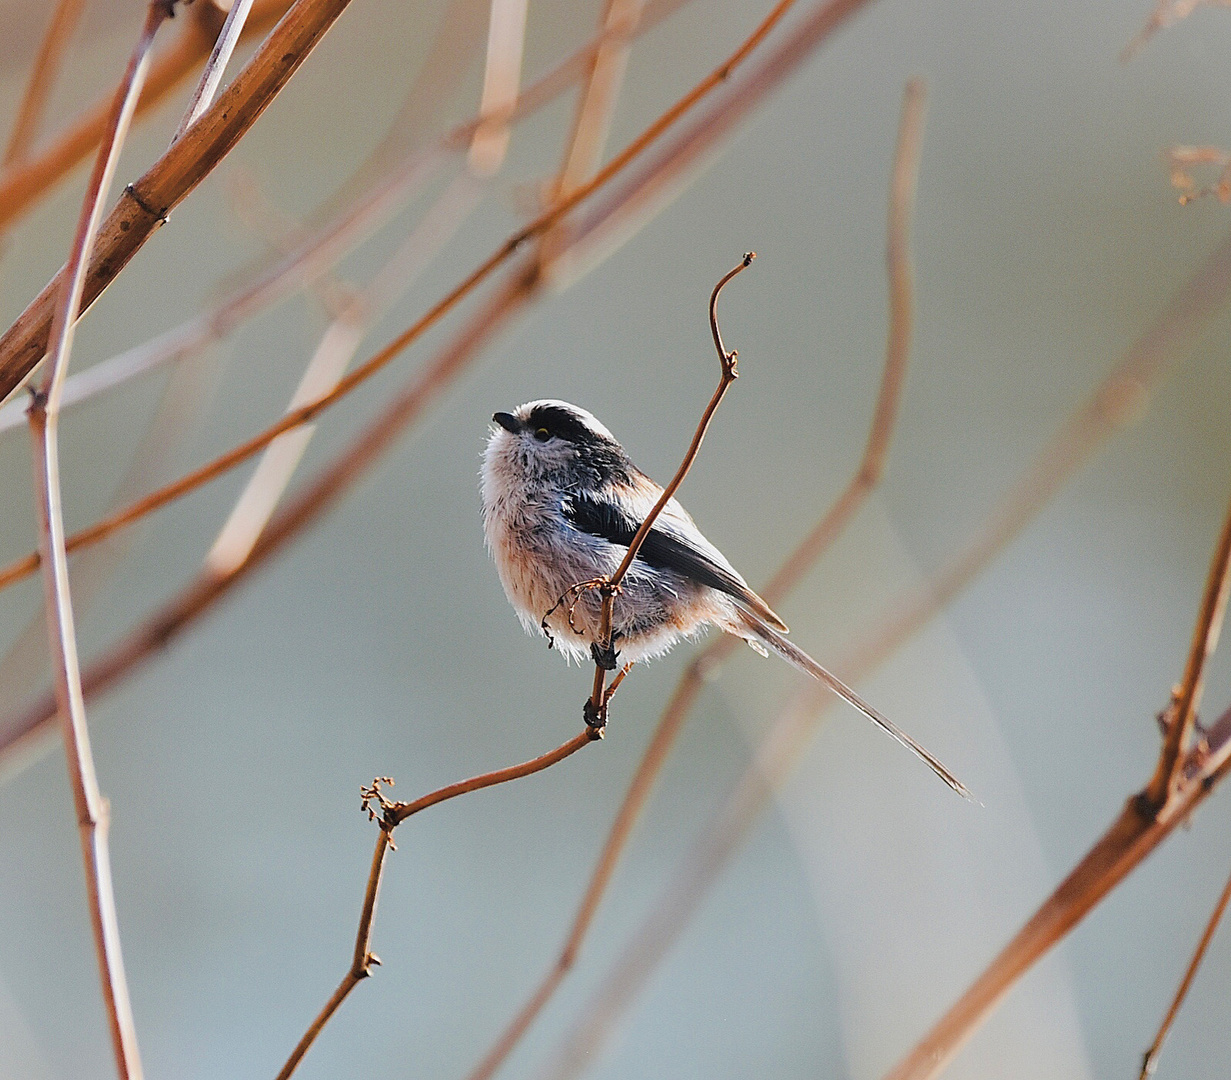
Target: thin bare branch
{"type": "Point", "coordinates": [91, 808]}
{"type": "Point", "coordinates": [391, 815]}
{"type": "Point", "coordinates": [865, 478]}
{"type": "Point", "coordinates": [362, 961]}
{"type": "Point", "coordinates": [596, 710]}
{"type": "Point", "coordinates": [42, 78]}
{"type": "Point", "coordinates": [1149, 1061]}
{"type": "Point", "coordinates": [216, 65]}
{"type": "Point", "coordinates": [23, 185]}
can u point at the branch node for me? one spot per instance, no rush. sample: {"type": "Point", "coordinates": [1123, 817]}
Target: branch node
{"type": "Point", "coordinates": [158, 215]}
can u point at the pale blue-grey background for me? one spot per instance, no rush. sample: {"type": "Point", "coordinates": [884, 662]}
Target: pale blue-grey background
{"type": "Point", "coordinates": [1047, 239]}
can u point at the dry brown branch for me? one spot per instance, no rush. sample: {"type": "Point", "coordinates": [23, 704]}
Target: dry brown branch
{"type": "Point", "coordinates": [865, 478]}
{"type": "Point", "coordinates": [1186, 698]}
{"type": "Point", "coordinates": [216, 65]}
{"type": "Point", "coordinates": [42, 78]}
{"type": "Point", "coordinates": [91, 807]}
{"type": "Point", "coordinates": [326, 243]}
{"type": "Point", "coordinates": [391, 815]}
{"type": "Point", "coordinates": [296, 417]}
{"type": "Point", "coordinates": [604, 656]}
{"type": "Point", "coordinates": [1149, 1061]}
{"type": "Point", "coordinates": [1166, 13]}
{"type": "Point", "coordinates": [146, 203]}
{"type": "Point", "coordinates": [362, 960]}
{"type": "Point", "coordinates": [22, 186]}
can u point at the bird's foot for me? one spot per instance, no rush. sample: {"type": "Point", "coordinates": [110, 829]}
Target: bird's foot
{"type": "Point", "coordinates": [595, 717]}
{"type": "Point", "coordinates": [605, 656]}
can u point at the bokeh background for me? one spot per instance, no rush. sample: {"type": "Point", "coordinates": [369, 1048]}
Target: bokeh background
{"type": "Point", "coordinates": [1047, 239]}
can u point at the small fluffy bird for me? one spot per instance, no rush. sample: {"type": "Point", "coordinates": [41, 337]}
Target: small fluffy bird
{"type": "Point", "coordinates": [561, 504]}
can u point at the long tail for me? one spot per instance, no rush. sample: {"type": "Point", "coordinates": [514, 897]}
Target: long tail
{"type": "Point", "coordinates": [795, 655]}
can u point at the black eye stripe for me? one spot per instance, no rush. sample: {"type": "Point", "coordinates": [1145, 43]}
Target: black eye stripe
{"type": "Point", "coordinates": [563, 424]}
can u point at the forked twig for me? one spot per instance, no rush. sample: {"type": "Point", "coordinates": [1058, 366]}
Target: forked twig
{"type": "Point", "coordinates": [91, 807]}
{"type": "Point", "coordinates": [687, 690]}
{"type": "Point", "coordinates": [1149, 1061]}
{"type": "Point", "coordinates": [596, 705]}
{"type": "Point", "coordinates": [1187, 699]}
{"type": "Point", "coordinates": [391, 815]}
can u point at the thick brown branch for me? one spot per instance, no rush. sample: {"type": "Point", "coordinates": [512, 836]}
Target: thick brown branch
{"type": "Point", "coordinates": [147, 202]}
{"type": "Point", "coordinates": [22, 186]}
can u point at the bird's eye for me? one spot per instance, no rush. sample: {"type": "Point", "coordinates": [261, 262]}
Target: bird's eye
{"type": "Point", "coordinates": [542, 434]}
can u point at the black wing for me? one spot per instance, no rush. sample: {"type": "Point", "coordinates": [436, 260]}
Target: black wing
{"type": "Point", "coordinates": [663, 549]}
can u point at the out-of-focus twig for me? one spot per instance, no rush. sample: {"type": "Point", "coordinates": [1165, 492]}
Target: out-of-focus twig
{"type": "Point", "coordinates": [1166, 13]}
{"type": "Point", "coordinates": [147, 201]}
{"type": "Point", "coordinates": [216, 65]}
{"type": "Point", "coordinates": [23, 184]}
{"type": "Point", "coordinates": [42, 78]}
{"type": "Point", "coordinates": [91, 807]}
{"type": "Point", "coordinates": [1183, 159]}
{"type": "Point", "coordinates": [506, 38]}
{"type": "Point", "coordinates": [1149, 1061]}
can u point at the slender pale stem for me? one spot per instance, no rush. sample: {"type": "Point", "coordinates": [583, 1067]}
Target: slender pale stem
{"type": "Point", "coordinates": [91, 807]}
{"type": "Point", "coordinates": [216, 65]}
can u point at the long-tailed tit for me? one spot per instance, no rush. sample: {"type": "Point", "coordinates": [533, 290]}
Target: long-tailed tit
{"type": "Point", "coordinates": [561, 503]}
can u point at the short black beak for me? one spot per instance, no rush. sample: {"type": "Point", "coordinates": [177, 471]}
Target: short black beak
{"type": "Point", "coordinates": [508, 421]}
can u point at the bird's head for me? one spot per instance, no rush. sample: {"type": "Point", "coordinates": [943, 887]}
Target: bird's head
{"type": "Point", "coordinates": [553, 441]}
